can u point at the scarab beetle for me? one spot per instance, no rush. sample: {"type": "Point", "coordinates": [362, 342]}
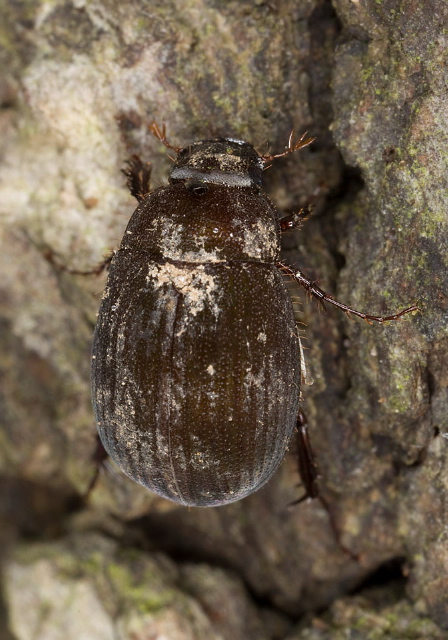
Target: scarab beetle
{"type": "Point", "coordinates": [196, 365]}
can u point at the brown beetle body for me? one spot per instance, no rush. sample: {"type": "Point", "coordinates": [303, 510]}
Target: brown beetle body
{"type": "Point", "coordinates": [196, 360]}
{"type": "Point", "coordinates": [196, 357]}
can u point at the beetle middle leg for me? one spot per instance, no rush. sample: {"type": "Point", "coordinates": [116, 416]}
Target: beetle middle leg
{"type": "Point", "coordinates": [323, 297]}
{"type": "Point", "coordinates": [50, 256]}
{"type": "Point", "coordinates": [138, 174]}
{"type": "Point", "coordinates": [104, 265]}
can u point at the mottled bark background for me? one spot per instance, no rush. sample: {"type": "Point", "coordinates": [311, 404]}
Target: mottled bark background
{"type": "Point", "coordinates": [81, 80]}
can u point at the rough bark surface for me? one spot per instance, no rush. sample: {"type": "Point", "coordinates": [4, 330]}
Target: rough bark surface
{"type": "Point", "coordinates": [81, 83]}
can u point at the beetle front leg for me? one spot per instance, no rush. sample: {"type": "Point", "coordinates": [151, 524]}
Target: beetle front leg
{"type": "Point", "coordinates": [138, 174]}
{"type": "Point", "coordinates": [323, 297]}
{"type": "Point", "coordinates": [295, 220]}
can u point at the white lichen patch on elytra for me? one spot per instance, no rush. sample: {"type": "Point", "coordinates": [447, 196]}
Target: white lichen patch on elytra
{"type": "Point", "coordinates": [200, 255]}
{"type": "Point", "coordinates": [200, 289]}
{"type": "Point", "coordinates": [262, 337]}
{"type": "Point", "coordinates": [259, 239]}
{"type": "Point", "coordinates": [210, 370]}
{"type": "Point", "coordinates": [173, 244]}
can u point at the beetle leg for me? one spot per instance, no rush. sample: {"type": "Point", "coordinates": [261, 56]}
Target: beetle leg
{"type": "Point", "coordinates": [318, 293]}
{"type": "Point", "coordinates": [306, 460]}
{"type": "Point", "coordinates": [99, 458]}
{"type": "Point", "coordinates": [160, 134]}
{"type": "Point", "coordinates": [49, 255]}
{"type": "Point", "coordinates": [137, 174]}
{"type": "Point", "coordinates": [307, 463]}
{"type": "Point", "coordinates": [309, 475]}
{"type": "Point", "coordinates": [294, 220]}
{"type": "Point", "coordinates": [303, 141]}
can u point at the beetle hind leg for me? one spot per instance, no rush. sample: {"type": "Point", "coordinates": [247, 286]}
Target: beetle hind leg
{"type": "Point", "coordinates": [306, 461]}
{"type": "Point", "coordinates": [99, 458]}
{"type": "Point", "coordinates": [309, 475]}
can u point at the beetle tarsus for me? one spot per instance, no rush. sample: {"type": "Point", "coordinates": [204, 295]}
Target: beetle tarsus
{"type": "Point", "coordinates": [160, 134]}
{"type": "Point", "coordinates": [323, 297]}
{"type": "Point", "coordinates": [138, 174]}
{"type": "Point", "coordinates": [303, 141]}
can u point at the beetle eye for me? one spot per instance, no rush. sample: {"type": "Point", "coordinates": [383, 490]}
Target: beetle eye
{"type": "Point", "coordinates": [198, 188]}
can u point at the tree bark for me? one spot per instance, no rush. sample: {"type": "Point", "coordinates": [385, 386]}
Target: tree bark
{"type": "Point", "coordinates": [83, 81]}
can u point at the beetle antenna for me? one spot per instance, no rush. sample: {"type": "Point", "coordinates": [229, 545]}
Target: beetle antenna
{"type": "Point", "coordinates": [160, 134]}
{"type": "Point", "coordinates": [303, 141]}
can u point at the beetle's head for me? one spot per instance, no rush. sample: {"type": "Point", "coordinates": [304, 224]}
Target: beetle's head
{"type": "Point", "coordinates": [224, 161]}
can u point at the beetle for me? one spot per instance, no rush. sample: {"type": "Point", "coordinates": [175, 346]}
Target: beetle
{"type": "Point", "coordinates": [196, 359]}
